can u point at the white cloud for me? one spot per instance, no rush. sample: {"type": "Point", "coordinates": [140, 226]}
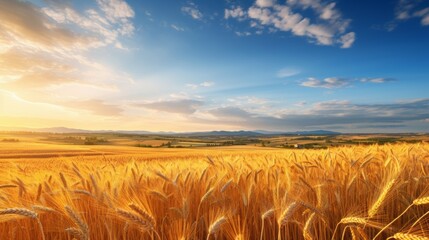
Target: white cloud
{"type": "Point", "coordinates": [377, 80]}
{"type": "Point", "coordinates": [116, 10]}
{"type": "Point", "coordinates": [181, 106]}
{"type": "Point", "coordinates": [331, 82]}
{"type": "Point", "coordinates": [177, 28]}
{"type": "Point", "coordinates": [265, 3]}
{"type": "Point", "coordinates": [193, 11]}
{"type": "Point", "coordinates": [243, 34]}
{"type": "Point", "coordinates": [327, 28]}
{"type": "Point", "coordinates": [335, 82]}
{"type": "Point", "coordinates": [300, 104]}
{"type": "Point", "coordinates": [204, 84]}
{"type": "Point", "coordinates": [425, 20]}
{"type": "Point", "coordinates": [207, 84]}
{"type": "Point", "coordinates": [347, 40]}
{"type": "Point", "coordinates": [111, 21]}
{"type": "Point", "coordinates": [329, 12]}
{"type": "Point", "coordinates": [407, 9]}
{"type": "Point", "coordinates": [95, 106]}
{"type": "Point", "coordinates": [237, 12]}
{"type": "Point", "coordinates": [287, 72]}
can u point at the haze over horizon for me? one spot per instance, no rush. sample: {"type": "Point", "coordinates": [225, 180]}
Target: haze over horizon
{"type": "Point", "coordinates": [188, 66]}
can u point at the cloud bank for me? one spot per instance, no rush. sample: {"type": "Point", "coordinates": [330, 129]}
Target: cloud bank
{"type": "Point", "coordinates": [325, 26]}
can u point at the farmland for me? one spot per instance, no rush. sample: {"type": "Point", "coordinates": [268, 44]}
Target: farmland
{"type": "Point", "coordinates": [117, 190]}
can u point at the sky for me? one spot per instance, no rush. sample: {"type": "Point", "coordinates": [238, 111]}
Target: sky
{"type": "Point", "coordinates": [194, 65]}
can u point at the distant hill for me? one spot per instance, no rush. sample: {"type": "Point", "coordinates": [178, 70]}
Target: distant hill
{"type": "Point", "coordinates": [222, 133]}
{"type": "Point", "coordinates": [61, 130]}
{"type": "Point", "coordinates": [195, 134]}
{"type": "Point", "coordinates": [47, 130]}
{"type": "Point", "coordinates": [315, 132]}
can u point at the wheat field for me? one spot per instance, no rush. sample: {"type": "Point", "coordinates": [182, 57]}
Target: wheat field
{"type": "Point", "coordinates": [361, 192]}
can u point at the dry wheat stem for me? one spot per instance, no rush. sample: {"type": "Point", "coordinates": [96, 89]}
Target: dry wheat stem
{"type": "Point", "coordinates": [78, 221]}
{"type": "Point", "coordinates": [76, 233]}
{"type": "Point", "coordinates": [145, 215]}
{"type": "Point", "coordinates": [136, 219]}
{"type": "Point", "coordinates": [306, 232]}
{"type": "Point", "coordinates": [407, 236]}
{"type": "Point", "coordinates": [26, 213]}
{"type": "Point", "coordinates": [215, 226]}
{"type": "Point", "coordinates": [377, 204]}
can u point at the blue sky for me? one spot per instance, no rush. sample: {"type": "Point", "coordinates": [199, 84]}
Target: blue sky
{"type": "Point", "coordinates": [350, 66]}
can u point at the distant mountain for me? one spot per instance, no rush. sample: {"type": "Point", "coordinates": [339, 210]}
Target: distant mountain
{"type": "Point", "coordinates": [192, 134]}
{"type": "Point", "coordinates": [61, 130]}
{"type": "Point", "coordinates": [49, 130]}
{"type": "Point", "coordinates": [222, 133]}
{"type": "Point", "coordinates": [315, 132]}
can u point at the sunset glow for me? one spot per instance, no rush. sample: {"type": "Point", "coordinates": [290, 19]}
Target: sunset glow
{"type": "Point", "coordinates": [218, 65]}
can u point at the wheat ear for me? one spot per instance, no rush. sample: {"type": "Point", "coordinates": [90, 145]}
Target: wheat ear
{"type": "Point", "coordinates": [145, 215]}
{"type": "Point", "coordinates": [215, 226]}
{"type": "Point", "coordinates": [78, 221]}
{"type": "Point", "coordinates": [377, 204]}
{"type": "Point", "coordinates": [407, 236]}
{"type": "Point", "coordinates": [26, 213]}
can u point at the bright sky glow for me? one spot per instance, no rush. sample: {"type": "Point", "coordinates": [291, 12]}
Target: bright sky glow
{"type": "Point", "coordinates": [350, 66]}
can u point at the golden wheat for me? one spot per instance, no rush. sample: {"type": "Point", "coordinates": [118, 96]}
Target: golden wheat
{"type": "Point", "coordinates": [232, 194]}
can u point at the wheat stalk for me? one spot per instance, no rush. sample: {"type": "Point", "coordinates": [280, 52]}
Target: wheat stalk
{"type": "Point", "coordinates": [26, 213]}
{"type": "Point", "coordinates": [421, 201]}
{"type": "Point", "coordinates": [308, 224]}
{"type": "Point", "coordinates": [353, 220]}
{"type": "Point", "coordinates": [145, 225]}
{"type": "Point", "coordinates": [215, 226]}
{"type": "Point", "coordinates": [268, 213]}
{"type": "Point", "coordinates": [286, 214]}
{"type": "Point", "coordinates": [207, 195]}
{"type": "Point", "coordinates": [145, 215]}
{"type": "Point", "coordinates": [42, 208]}
{"type": "Point", "coordinates": [362, 233]}
{"type": "Point", "coordinates": [19, 211]}
{"type": "Point", "coordinates": [225, 186]}
{"type": "Point", "coordinates": [63, 180]}
{"type": "Point", "coordinates": [377, 204]}
{"type": "Point", "coordinates": [407, 236]}
{"type": "Point", "coordinates": [8, 186]}
{"type": "Point", "coordinates": [284, 217]}
{"type": "Point", "coordinates": [76, 233]}
{"type": "Point", "coordinates": [265, 215]}
{"type": "Point", "coordinates": [78, 221]}
{"type": "Point", "coordinates": [354, 233]}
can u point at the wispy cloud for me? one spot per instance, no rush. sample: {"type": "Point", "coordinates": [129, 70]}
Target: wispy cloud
{"type": "Point", "coordinates": [336, 82]}
{"type": "Point", "coordinates": [236, 12]}
{"type": "Point", "coordinates": [112, 20]}
{"type": "Point", "coordinates": [243, 34]}
{"type": "Point", "coordinates": [328, 27]}
{"type": "Point", "coordinates": [377, 80]}
{"type": "Point", "coordinates": [192, 10]}
{"type": "Point", "coordinates": [265, 3]}
{"type": "Point", "coordinates": [331, 82]}
{"type": "Point", "coordinates": [204, 84]}
{"type": "Point", "coordinates": [181, 106]}
{"type": "Point", "coordinates": [177, 28]}
{"type": "Point", "coordinates": [95, 106]}
{"type": "Point", "coordinates": [407, 9]}
{"type": "Point", "coordinates": [287, 72]}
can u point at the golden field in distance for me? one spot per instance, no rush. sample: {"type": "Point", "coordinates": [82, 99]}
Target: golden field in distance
{"type": "Point", "coordinates": [51, 189]}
